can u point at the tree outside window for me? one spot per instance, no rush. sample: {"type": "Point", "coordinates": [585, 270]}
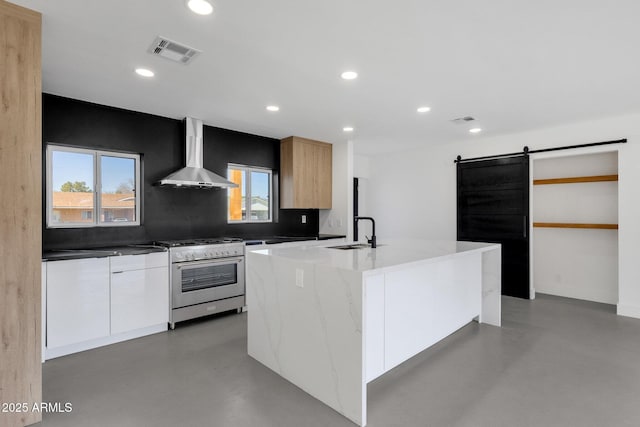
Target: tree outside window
{"type": "Point", "coordinates": [91, 187]}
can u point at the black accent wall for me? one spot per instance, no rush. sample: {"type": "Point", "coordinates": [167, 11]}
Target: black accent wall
{"type": "Point", "coordinates": [167, 213]}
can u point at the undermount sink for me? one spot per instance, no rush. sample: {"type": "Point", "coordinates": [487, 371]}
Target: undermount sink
{"type": "Point", "coordinates": [351, 246]}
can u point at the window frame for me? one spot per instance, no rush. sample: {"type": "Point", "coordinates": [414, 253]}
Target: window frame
{"type": "Point", "coordinates": [248, 170]}
{"type": "Point", "coordinates": [97, 186]}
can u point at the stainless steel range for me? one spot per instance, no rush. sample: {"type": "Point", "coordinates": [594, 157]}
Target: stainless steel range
{"type": "Point", "coordinates": [206, 277]}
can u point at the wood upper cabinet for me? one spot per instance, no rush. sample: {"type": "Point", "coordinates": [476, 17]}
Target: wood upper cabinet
{"type": "Point", "coordinates": [305, 173]}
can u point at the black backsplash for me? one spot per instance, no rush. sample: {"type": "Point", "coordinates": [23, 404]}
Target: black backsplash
{"type": "Point", "coordinates": [167, 213]}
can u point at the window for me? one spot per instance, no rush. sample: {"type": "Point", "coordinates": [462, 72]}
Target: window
{"type": "Point", "coordinates": [251, 200]}
{"type": "Point", "coordinates": [88, 188]}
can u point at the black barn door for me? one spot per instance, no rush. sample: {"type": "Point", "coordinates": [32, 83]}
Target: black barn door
{"type": "Point", "coordinates": [493, 206]}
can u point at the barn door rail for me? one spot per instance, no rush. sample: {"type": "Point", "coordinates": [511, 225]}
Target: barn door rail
{"type": "Point", "coordinates": [525, 151]}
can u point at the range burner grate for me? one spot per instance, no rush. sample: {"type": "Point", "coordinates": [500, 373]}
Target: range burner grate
{"type": "Point", "coordinates": [197, 242]}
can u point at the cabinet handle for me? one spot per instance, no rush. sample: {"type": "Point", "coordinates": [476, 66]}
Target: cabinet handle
{"type": "Point", "coordinates": [524, 226]}
{"type": "Point", "coordinates": [117, 272]}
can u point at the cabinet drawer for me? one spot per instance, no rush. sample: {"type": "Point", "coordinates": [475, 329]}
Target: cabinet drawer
{"type": "Point", "coordinates": [139, 262]}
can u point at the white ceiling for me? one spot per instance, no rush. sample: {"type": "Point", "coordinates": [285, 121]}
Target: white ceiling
{"type": "Point", "coordinates": [512, 64]}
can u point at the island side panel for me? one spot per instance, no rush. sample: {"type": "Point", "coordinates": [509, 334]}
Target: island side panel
{"type": "Point", "coordinates": [428, 301]}
{"type": "Point", "coordinates": [491, 287]}
{"type": "Point", "coordinates": [374, 325]}
{"type": "Point", "coordinates": [305, 323]}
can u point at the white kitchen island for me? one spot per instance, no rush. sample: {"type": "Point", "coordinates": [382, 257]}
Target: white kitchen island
{"type": "Point", "coordinates": [331, 320]}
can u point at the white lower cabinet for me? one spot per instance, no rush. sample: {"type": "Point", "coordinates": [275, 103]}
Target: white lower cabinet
{"type": "Point", "coordinates": [43, 308]}
{"type": "Point", "coordinates": [99, 301]}
{"type": "Point", "coordinates": [77, 301]}
{"type": "Point", "coordinates": [139, 293]}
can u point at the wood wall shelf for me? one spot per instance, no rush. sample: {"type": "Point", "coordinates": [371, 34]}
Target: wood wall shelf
{"type": "Point", "coordinates": [574, 225]}
{"type": "Point", "coordinates": [576, 179]}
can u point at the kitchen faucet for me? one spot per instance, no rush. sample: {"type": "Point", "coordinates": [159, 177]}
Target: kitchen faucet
{"type": "Point", "coordinates": [372, 241]}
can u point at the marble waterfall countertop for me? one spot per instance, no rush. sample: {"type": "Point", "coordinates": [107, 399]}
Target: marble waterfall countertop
{"type": "Point", "coordinates": [330, 320]}
{"type": "Point", "coordinates": [389, 253]}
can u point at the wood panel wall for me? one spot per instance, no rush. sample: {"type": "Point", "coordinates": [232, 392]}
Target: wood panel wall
{"type": "Point", "coordinates": [20, 212]}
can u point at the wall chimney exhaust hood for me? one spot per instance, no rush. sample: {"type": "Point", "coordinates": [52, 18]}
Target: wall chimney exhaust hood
{"type": "Point", "coordinates": [194, 175]}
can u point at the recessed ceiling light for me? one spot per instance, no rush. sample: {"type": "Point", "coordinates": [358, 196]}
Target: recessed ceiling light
{"type": "Point", "coordinates": [201, 7]}
{"type": "Point", "coordinates": [144, 72]}
{"type": "Point", "coordinates": [273, 108]}
{"type": "Point", "coordinates": [349, 75]}
{"type": "Point", "coordinates": [475, 130]}
{"type": "Point", "coordinates": [347, 129]}
{"type": "Point", "coordinates": [423, 109]}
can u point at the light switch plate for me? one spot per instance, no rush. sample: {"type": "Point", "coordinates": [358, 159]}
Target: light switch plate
{"type": "Point", "coordinates": [299, 277]}
{"type": "Point", "coordinates": [304, 219]}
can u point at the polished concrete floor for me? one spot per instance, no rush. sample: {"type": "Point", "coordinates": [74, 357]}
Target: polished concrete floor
{"type": "Point", "coordinates": [555, 362]}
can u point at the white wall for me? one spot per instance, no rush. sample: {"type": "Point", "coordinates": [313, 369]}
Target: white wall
{"type": "Point", "coordinates": [337, 219]}
{"type": "Point", "coordinates": [362, 171]}
{"type": "Point", "coordinates": [361, 166]}
{"type": "Point", "coordinates": [413, 194]}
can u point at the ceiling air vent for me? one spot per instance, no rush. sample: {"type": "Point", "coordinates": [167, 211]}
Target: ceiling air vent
{"type": "Point", "coordinates": [174, 51]}
{"type": "Point", "coordinates": [463, 120]}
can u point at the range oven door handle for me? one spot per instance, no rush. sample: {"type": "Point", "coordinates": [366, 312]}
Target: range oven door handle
{"type": "Point", "coordinates": [200, 263]}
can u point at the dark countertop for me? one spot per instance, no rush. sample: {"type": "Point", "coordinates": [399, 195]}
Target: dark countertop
{"type": "Point", "coordinates": [285, 239]}
{"type": "Point", "coordinates": [330, 236]}
{"type": "Point", "coordinates": [65, 254]}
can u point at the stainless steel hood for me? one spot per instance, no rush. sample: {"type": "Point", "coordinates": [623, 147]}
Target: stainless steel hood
{"type": "Point", "coordinates": [194, 174]}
